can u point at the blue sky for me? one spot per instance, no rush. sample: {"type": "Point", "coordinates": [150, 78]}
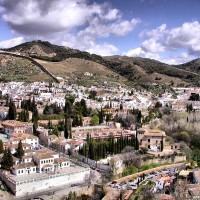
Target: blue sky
{"type": "Point", "coordinates": [167, 30]}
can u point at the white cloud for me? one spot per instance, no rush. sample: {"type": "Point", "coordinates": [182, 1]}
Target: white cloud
{"type": "Point", "coordinates": [44, 16]}
{"type": "Point", "coordinates": [103, 49]}
{"type": "Point", "coordinates": [184, 39]}
{"type": "Point", "coordinates": [12, 42]}
{"type": "Point", "coordinates": [77, 23]}
{"type": "Point", "coordinates": [88, 43]}
{"type": "Point", "coordinates": [139, 52]}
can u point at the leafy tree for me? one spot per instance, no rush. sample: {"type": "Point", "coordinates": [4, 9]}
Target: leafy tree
{"type": "Point", "coordinates": [52, 109]}
{"type": "Point", "coordinates": [183, 136]}
{"type": "Point", "coordinates": [194, 97]}
{"type": "Point", "coordinates": [71, 196]}
{"type": "Point", "coordinates": [20, 150]}
{"type": "Point", "coordinates": [55, 131]}
{"type": "Point", "coordinates": [146, 193]}
{"type": "Point", "coordinates": [93, 94]}
{"type": "Point", "coordinates": [95, 120]}
{"type": "Point", "coordinates": [158, 105]}
{"type": "Point", "coordinates": [61, 125]}
{"type": "Point", "coordinates": [1, 147]}
{"type": "Point", "coordinates": [12, 113]}
{"type": "Point", "coordinates": [71, 99]}
{"type": "Point", "coordinates": [7, 160]}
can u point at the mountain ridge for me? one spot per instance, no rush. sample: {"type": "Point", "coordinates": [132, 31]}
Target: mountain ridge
{"type": "Point", "coordinates": [136, 69]}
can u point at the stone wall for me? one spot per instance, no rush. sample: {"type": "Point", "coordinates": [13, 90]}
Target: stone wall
{"type": "Point", "coordinates": [169, 160]}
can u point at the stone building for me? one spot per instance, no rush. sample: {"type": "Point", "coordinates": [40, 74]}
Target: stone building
{"type": "Point", "coordinates": [151, 138]}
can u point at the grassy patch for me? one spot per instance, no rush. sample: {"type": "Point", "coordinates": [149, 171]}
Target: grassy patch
{"type": "Point", "coordinates": [133, 169]}
{"type": "Point", "coordinates": [147, 185]}
{"type": "Point", "coordinates": [52, 117]}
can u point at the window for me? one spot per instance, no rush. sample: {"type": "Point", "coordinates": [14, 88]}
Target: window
{"type": "Point", "coordinates": [148, 146]}
{"type": "Point", "coordinates": [148, 140]}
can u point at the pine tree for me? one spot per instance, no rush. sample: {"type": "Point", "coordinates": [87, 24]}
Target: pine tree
{"type": "Point", "coordinates": [1, 147]}
{"type": "Point", "coordinates": [20, 150]}
{"type": "Point", "coordinates": [12, 113]}
{"type": "Point", "coordinates": [7, 160]}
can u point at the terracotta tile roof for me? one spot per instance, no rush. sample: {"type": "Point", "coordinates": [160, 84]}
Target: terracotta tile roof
{"type": "Point", "coordinates": [14, 123]}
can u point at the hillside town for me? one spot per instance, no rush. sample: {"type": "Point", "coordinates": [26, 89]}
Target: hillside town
{"type": "Point", "coordinates": [57, 135]}
{"type": "Point", "coordinates": [99, 100]}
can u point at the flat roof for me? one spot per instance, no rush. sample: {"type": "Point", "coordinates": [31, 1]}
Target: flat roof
{"type": "Point", "coordinates": [37, 176]}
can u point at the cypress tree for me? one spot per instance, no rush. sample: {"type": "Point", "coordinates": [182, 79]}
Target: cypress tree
{"type": "Point", "coordinates": [80, 120]}
{"type": "Point", "coordinates": [12, 113]}
{"type": "Point", "coordinates": [139, 117]}
{"type": "Point", "coordinates": [161, 144]}
{"type": "Point", "coordinates": [91, 154]}
{"type": "Point", "coordinates": [1, 147]}
{"type": "Point", "coordinates": [136, 140]}
{"type": "Point", "coordinates": [68, 121]}
{"type": "Point", "coordinates": [35, 118]}
{"type": "Point", "coordinates": [121, 106]}
{"type": "Point", "coordinates": [84, 108]}
{"type": "Point", "coordinates": [101, 116]}
{"type": "Point", "coordinates": [20, 150]}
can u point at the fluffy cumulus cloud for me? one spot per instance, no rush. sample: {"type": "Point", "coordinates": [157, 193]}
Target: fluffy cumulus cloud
{"type": "Point", "coordinates": [184, 39]}
{"type": "Point", "coordinates": [76, 19]}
